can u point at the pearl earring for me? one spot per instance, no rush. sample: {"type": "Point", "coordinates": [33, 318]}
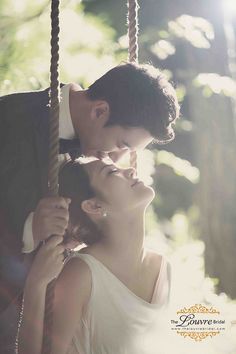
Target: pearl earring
{"type": "Point", "coordinates": [104, 213]}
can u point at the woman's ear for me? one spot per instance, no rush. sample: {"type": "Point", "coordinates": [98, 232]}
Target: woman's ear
{"type": "Point", "coordinates": [100, 112]}
{"type": "Point", "coordinates": [91, 207]}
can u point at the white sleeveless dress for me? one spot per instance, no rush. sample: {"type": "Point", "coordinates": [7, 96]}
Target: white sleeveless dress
{"type": "Point", "coordinates": [116, 320]}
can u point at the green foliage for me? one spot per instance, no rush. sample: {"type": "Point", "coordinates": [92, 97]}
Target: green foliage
{"type": "Point", "coordinates": [195, 30]}
{"type": "Point", "coordinates": [87, 48]}
{"type": "Point", "coordinates": [175, 192]}
{"type": "Point", "coordinates": [212, 83]}
{"type": "Point", "coordinates": [163, 49]}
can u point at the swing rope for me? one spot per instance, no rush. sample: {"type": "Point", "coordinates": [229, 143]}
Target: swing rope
{"type": "Point", "coordinates": [53, 156]}
{"type": "Point", "coordinates": [54, 102]}
{"type": "Point", "coordinates": [132, 20]}
{"type": "Point", "coordinates": [54, 130]}
{"type": "Point", "coordinates": [133, 29]}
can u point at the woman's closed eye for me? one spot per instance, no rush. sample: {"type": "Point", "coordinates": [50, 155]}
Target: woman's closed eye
{"type": "Point", "coordinates": [113, 170]}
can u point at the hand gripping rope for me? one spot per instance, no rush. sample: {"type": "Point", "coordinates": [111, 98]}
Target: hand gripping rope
{"type": "Point", "coordinates": [53, 156]}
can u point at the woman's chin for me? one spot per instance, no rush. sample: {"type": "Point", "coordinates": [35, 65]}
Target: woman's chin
{"type": "Point", "coordinates": [151, 195]}
{"type": "Point", "coordinates": [147, 194]}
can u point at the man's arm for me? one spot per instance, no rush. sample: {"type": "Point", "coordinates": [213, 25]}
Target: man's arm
{"type": "Point", "coordinates": [21, 173]}
{"type": "Point", "coordinates": [2, 121]}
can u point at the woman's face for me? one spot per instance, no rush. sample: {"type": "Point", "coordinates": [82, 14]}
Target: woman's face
{"type": "Point", "coordinates": [118, 189]}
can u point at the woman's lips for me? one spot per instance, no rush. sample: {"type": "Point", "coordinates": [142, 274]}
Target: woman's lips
{"type": "Point", "coordinates": [136, 182]}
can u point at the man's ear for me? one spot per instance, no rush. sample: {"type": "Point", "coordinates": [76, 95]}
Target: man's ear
{"type": "Point", "coordinates": [100, 112]}
{"type": "Point", "coordinates": [91, 207]}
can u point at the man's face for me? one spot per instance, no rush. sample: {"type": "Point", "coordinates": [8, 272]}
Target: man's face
{"type": "Point", "coordinates": [116, 140]}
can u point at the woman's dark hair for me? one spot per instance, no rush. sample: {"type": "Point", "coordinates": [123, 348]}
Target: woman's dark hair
{"type": "Point", "coordinates": [139, 96]}
{"type": "Point", "coordinates": [74, 183]}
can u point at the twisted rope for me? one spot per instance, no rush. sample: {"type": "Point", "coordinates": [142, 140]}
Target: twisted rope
{"type": "Point", "coordinates": [54, 101]}
{"type": "Point", "coordinates": [53, 155]}
{"type": "Point", "coordinates": [132, 20]}
{"type": "Point", "coordinates": [133, 29]}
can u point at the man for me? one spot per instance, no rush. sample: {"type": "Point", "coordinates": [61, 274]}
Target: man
{"type": "Point", "coordinates": [124, 110]}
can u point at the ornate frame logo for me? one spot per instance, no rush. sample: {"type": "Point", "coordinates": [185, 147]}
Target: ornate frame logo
{"type": "Point", "coordinates": [198, 322]}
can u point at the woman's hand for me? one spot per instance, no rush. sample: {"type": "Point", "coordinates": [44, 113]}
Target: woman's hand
{"type": "Point", "coordinates": [50, 217]}
{"type": "Point", "coordinates": [48, 262]}
{"type": "Point", "coordinates": [46, 266]}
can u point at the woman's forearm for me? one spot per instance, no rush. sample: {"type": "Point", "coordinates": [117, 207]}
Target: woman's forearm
{"type": "Point", "coordinates": [31, 329]}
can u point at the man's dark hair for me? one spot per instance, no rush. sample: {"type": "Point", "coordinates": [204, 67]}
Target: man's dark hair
{"type": "Point", "coordinates": [139, 96]}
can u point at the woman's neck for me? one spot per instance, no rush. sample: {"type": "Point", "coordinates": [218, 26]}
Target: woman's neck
{"type": "Point", "coordinates": [123, 242]}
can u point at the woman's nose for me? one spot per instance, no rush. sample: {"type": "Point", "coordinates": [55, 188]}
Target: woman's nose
{"type": "Point", "coordinates": [130, 172]}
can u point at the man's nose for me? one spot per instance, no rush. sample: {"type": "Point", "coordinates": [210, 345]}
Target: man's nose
{"type": "Point", "coordinates": [117, 155]}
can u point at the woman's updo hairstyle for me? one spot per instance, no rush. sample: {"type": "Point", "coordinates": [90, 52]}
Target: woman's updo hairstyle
{"type": "Point", "coordinates": [74, 184]}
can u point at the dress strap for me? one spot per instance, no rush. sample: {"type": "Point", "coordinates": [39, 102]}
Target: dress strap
{"type": "Point", "coordinates": [169, 277]}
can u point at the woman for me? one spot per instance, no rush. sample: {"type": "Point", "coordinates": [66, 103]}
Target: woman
{"type": "Point", "coordinates": [109, 294]}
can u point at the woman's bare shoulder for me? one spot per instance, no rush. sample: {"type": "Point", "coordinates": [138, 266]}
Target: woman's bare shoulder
{"type": "Point", "coordinates": [76, 269]}
{"type": "Point", "coordinates": [71, 295]}
{"type": "Point", "coordinates": [75, 276]}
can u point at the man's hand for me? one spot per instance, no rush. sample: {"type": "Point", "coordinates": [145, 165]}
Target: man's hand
{"type": "Point", "coordinates": [50, 218]}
